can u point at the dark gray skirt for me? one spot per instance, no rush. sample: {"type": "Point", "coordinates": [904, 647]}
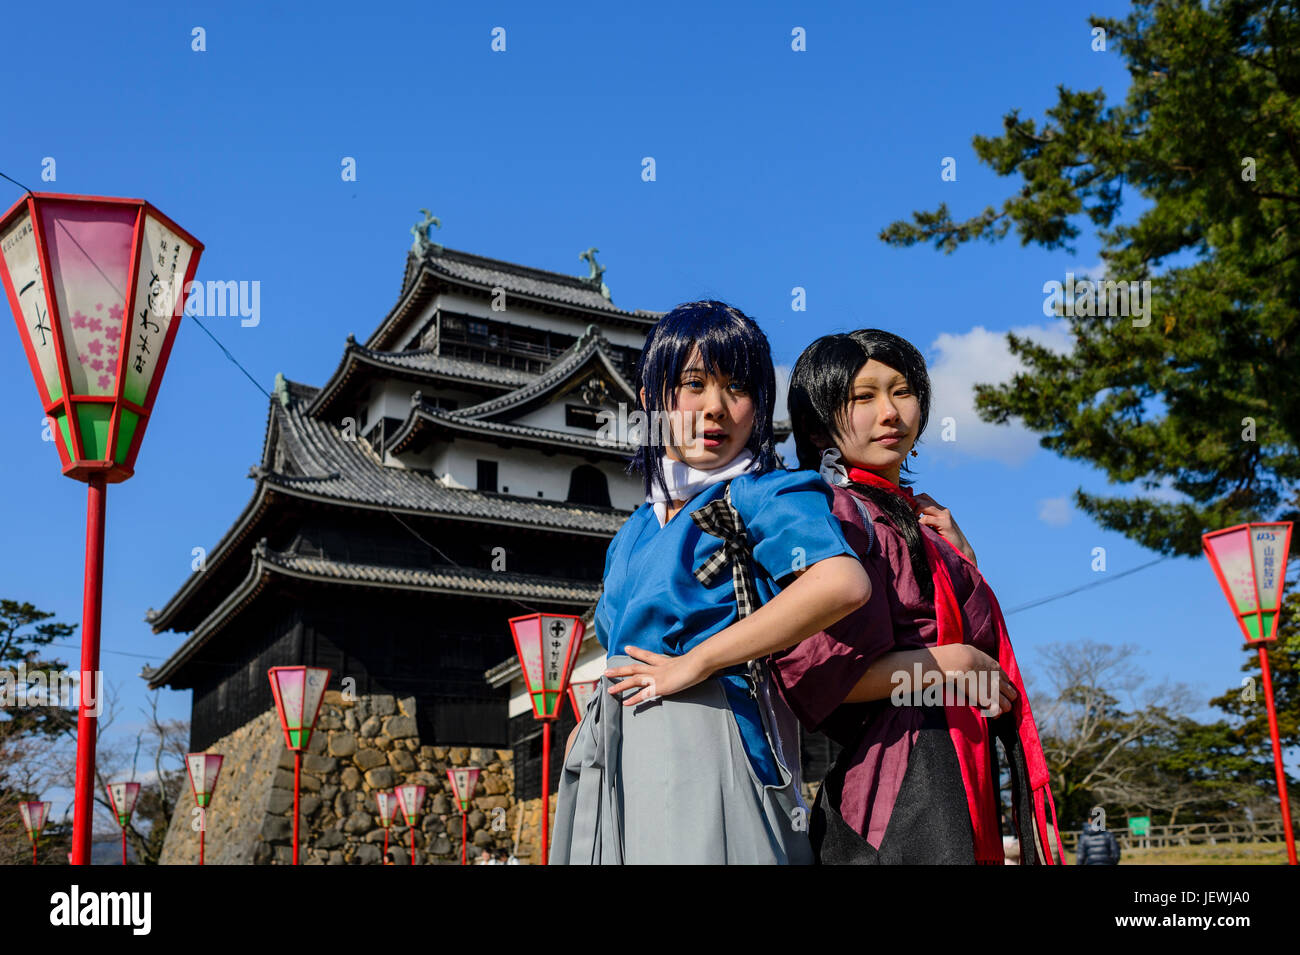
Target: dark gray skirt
{"type": "Point", "coordinates": [668, 782]}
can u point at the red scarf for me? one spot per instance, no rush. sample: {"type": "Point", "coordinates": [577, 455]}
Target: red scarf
{"type": "Point", "coordinates": [968, 728]}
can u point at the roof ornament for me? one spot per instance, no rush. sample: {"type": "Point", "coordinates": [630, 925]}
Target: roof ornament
{"type": "Point", "coordinates": [597, 271]}
{"type": "Point", "coordinates": [423, 244]}
{"type": "Point", "coordinates": [282, 388]}
{"type": "Point", "coordinates": [595, 391]}
{"type": "Point", "coordinates": [416, 399]}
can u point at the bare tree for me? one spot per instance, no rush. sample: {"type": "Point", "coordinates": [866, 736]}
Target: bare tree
{"type": "Point", "coordinates": [1100, 714]}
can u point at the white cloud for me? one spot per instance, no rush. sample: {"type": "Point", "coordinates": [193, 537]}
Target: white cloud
{"type": "Point", "coordinates": [980, 356]}
{"type": "Point", "coordinates": [1094, 274]}
{"type": "Point", "coordinates": [1055, 511]}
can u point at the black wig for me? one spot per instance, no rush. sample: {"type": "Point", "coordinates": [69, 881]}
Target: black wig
{"type": "Point", "coordinates": [731, 344]}
{"type": "Point", "coordinates": [821, 386]}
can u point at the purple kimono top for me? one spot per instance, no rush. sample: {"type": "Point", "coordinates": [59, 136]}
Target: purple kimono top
{"type": "Point", "coordinates": [816, 674]}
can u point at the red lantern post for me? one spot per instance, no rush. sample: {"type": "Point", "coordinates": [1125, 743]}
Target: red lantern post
{"type": "Point", "coordinates": [96, 289]}
{"type": "Point", "coordinates": [122, 797]}
{"type": "Point", "coordinates": [34, 815]}
{"type": "Point", "coordinates": [464, 781]}
{"type": "Point", "coordinates": [204, 768]}
{"type": "Point", "coordinates": [387, 805]}
{"type": "Point", "coordinates": [547, 645]}
{"type": "Point", "coordinates": [410, 798]}
{"type": "Point", "coordinates": [298, 693]}
{"type": "Point", "coordinates": [1250, 562]}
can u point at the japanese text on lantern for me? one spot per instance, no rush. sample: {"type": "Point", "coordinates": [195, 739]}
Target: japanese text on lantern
{"type": "Point", "coordinates": [1268, 569]}
{"type": "Point", "coordinates": [161, 300]}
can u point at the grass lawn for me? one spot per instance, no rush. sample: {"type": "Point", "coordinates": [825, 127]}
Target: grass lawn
{"type": "Point", "coordinates": [1241, 853]}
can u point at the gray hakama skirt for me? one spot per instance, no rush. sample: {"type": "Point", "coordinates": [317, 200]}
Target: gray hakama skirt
{"type": "Point", "coordinates": [668, 782]}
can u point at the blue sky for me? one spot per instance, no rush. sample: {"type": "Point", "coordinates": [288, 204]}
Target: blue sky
{"type": "Point", "coordinates": [774, 169]}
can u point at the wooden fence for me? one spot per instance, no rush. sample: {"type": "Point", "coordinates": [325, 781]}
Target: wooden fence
{"type": "Point", "coordinates": [1197, 833]}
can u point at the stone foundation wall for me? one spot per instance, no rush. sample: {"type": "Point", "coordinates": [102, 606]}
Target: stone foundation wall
{"type": "Point", "coordinates": [360, 746]}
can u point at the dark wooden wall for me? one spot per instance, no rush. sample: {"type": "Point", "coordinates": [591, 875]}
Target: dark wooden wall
{"type": "Point", "coordinates": [417, 645]}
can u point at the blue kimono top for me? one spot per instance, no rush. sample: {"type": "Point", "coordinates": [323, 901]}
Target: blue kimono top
{"type": "Point", "coordinates": [652, 599]}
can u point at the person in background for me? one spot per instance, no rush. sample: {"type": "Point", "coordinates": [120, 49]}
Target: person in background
{"type": "Point", "coordinates": [1098, 845]}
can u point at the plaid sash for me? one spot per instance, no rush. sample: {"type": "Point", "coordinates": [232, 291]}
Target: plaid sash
{"type": "Point", "coordinates": [721, 519]}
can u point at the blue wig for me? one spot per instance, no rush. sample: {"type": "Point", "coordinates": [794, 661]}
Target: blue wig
{"type": "Point", "coordinates": [731, 344]}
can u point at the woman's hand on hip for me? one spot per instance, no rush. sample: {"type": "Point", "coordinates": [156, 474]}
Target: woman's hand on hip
{"type": "Point", "coordinates": [657, 675]}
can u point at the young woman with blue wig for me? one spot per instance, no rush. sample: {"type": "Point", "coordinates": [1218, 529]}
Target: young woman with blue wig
{"type": "Point", "coordinates": [686, 753]}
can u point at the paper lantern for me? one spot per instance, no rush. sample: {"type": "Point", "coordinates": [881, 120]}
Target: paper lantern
{"type": "Point", "coordinates": [96, 288]}
{"type": "Point", "coordinates": [464, 780]}
{"type": "Point", "coordinates": [204, 768]}
{"type": "Point", "coordinates": [1250, 562]}
{"type": "Point", "coordinates": [298, 693]}
{"type": "Point", "coordinates": [547, 645]}
{"type": "Point", "coordinates": [122, 797]}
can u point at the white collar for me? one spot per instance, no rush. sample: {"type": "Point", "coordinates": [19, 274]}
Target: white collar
{"type": "Point", "coordinates": [684, 481]}
{"type": "Point", "coordinates": [831, 470]}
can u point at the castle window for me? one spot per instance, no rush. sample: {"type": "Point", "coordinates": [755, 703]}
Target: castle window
{"type": "Point", "coordinates": [588, 485]}
{"type": "Point", "coordinates": [487, 475]}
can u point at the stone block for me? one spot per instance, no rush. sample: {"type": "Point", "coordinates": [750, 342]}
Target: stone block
{"type": "Point", "coordinates": [281, 801]}
{"type": "Point", "coordinates": [350, 777]}
{"type": "Point", "coordinates": [381, 778]}
{"type": "Point", "coordinates": [383, 705]}
{"type": "Point", "coordinates": [276, 828]}
{"type": "Point", "coordinates": [367, 758]}
{"type": "Point", "coordinates": [329, 840]}
{"type": "Point", "coordinates": [401, 761]}
{"type": "Point", "coordinates": [367, 855]}
{"type": "Point", "coordinates": [370, 727]}
{"type": "Point", "coordinates": [342, 744]}
{"type": "Point", "coordinates": [319, 765]}
{"type": "Point", "coordinates": [358, 823]}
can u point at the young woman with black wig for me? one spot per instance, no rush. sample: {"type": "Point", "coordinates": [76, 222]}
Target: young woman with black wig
{"type": "Point", "coordinates": [917, 779]}
{"type": "Point", "coordinates": [687, 753]}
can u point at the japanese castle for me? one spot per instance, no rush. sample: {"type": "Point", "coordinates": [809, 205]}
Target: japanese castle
{"type": "Point", "coordinates": [450, 474]}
